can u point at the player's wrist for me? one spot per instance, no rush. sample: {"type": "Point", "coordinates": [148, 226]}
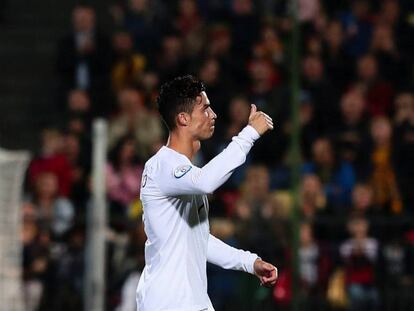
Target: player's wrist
{"type": "Point", "coordinates": [251, 132]}
{"type": "Point", "coordinates": [256, 263]}
{"type": "Point", "coordinates": [253, 258]}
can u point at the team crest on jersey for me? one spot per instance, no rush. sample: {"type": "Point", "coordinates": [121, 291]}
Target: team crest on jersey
{"type": "Point", "coordinates": [181, 170]}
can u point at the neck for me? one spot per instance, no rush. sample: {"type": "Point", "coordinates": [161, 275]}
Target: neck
{"type": "Point", "coordinates": [183, 143]}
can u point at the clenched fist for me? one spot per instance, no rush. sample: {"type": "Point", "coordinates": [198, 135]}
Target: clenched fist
{"type": "Point", "coordinates": [266, 272]}
{"type": "Point", "coordinates": [260, 121]}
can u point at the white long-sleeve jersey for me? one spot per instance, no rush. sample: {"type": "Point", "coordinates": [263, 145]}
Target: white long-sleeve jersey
{"type": "Point", "coordinates": [179, 243]}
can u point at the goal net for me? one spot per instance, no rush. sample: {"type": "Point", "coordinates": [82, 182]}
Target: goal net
{"type": "Point", "coordinates": [12, 169]}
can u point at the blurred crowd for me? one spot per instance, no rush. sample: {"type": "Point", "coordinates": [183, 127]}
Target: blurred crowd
{"type": "Point", "coordinates": [356, 198]}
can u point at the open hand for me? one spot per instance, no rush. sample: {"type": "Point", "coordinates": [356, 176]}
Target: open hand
{"type": "Point", "coordinates": [260, 121]}
{"type": "Point", "coordinates": [266, 272]}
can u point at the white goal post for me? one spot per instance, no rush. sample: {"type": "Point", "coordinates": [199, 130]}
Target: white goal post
{"type": "Point", "coordinates": [13, 166]}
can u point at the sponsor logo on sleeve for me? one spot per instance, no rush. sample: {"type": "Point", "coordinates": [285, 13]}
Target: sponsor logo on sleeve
{"type": "Point", "coordinates": [181, 171]}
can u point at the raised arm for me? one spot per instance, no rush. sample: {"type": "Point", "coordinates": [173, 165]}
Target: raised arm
{"type": "Point", "coordinates": [189, 179]}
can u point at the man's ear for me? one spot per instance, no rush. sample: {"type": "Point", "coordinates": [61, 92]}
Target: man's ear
{"type": "Point", "coordinates": [183, 119]}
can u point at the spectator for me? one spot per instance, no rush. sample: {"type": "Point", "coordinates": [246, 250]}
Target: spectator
{"type": "Point", "coordinates": [136, 120]}
{"type": "Point", "coordinates": [84, 58]}
{"type": "Point", "coordinates": [270, 46]}
{"type": "Point", "coordinates": [191, 26]}
{"type": "Point", "coordinates": [188, 19]}
{"type": "Point", "coordinates": [245, 26]}
{"type": "Point", "coordinates": [382, 178]}
{"type": "Point", "coordinates": [124, 172]}
{"type": "Point", "coordinates": [51, 159]}
{"type": "Point", "coordinates": [78, 117]}
{"type": "Point", "coordinates": [78, 101]}
{"type": "Point", "coordinates": [220, 41]}
{"type": "Point", "coordinates": [384, 47]}
{"type": "Point", "coordinates": [312, 197]}
{"type": "Point", "coordinates": [338, 64]}
{"type": "Point", "coordinates": [129, 65]}
{"type": "Point", "coordinates": [123, 177]}
{"type": "Point", "coordinates": [53, 213]}
{"type": "Point", "coordinates": [403, 147]}
{"type": "Point", "coordinates": [257, 217]}
{"type": "Point", "coordinates": [363, 201]}
{"type": "Point", "coordinates": [34, 259]}
{"type": "Point", "coordinates": [310, 18]}
{"type": "Point", "coordinates": [323, 94]}
{"type": "Point", "coordinates": [314, 209]}
{"type": "Point", "coordinates": [359, 255]}
{"type": "Point", "coordinates": [264, 78]}
{"type": "Point", "coordinates": [78, 153]}
{"type": "Point", "coordinates": [395, 273]}
{"type": "Point", "coordinates": [357, 23]}
{"type": "Point", "coordinates": [337, 176]}
{"type": "Point", "coordinates": [171, 61]}
{"type": "Point", "coordinates": [377, 92]}
{"type": "Point", "coordinates": [393, 14]}
{"type": "Point", "coordinates": [145, 20]}
{"type": "Point", "coordinates": [309, 11]}
{"type": "Point", "coordinates": [389, 14]}
{"type": "Point", "coordinates": [314, 268]}
{"type": "Point", "coordinates": [69, 273]}
{"type": "Point", "coordinates": [352, 134]}
{"type": "Point", "coordinates": [363, 205]}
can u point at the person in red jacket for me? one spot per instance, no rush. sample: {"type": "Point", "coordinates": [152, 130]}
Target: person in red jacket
{"type": "Point", "coordinates": [52, 160]}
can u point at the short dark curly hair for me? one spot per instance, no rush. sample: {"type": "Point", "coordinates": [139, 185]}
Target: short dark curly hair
{"type": "Point", "coordinates": [178, 95]}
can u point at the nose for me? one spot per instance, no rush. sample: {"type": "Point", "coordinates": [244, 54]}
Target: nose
{"type": "Point", "coordinates": [213, 114]}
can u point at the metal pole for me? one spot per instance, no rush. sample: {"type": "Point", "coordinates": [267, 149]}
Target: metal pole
{"type": "Point", "coordinates": [295, 151]}
{"type": "Point", "coordinates": [96, 224]}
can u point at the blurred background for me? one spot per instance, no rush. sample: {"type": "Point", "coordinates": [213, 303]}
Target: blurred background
{"type": "Point", "coordinates": [341, 234]}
